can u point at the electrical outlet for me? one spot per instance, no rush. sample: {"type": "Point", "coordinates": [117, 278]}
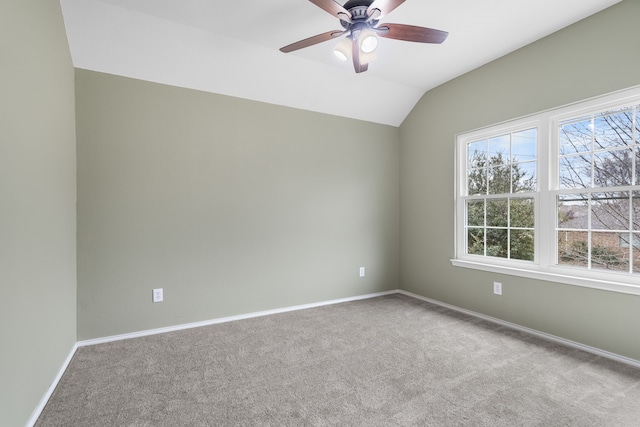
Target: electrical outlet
{"type": "Point", "coordinates": [497, 288]}
{"type": "Point", "coordinates": [158, 295]}
{"type": "Point", "coordinates": [361, 271]}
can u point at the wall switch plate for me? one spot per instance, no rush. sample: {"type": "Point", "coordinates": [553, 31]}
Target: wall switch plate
{"type": "Point", "coordinates": [497, 288]}
{"type": "Point", "coordinates": [158, 295]}
{"type": "Point", "coordinates": [361, 271]}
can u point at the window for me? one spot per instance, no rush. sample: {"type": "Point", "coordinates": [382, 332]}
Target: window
{"type": "Point", "coordinates": [501, 184]}
{"type": "Point", "coordinates": [555, 196]}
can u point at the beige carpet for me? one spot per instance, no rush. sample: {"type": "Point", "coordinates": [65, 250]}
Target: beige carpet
{"type": "Point", "coordinates": [387, 361]}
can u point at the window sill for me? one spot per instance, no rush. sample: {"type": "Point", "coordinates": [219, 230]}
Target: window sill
{"type": "Point", "coordinates": [563, 276]}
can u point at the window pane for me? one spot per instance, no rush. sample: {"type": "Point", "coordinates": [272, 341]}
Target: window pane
{"type": "Point", "coordinates": [477, 154]}
{"type": "Point", "coordinates": [626, 240]}
{"type": "Point", "coordinates": [635, 203]}
{"type": "Point", "coordinates": [475, 213]}
{"type": "Point", "coordinates": [497, 243]}
{"type": "Point", "coordinates": [497, 213]}
{"type": "Point", "coordinates": [477, 182]}
{"type": "Point", "coordinates": [575, 171]}
{"type": "Point", "coordinates": [499, 150]}
{"type": "Point", "coordinates": [635, 240]}
{"type": "Point", "coordinates": [522, 244]}
{"type": "Point", "coordinates": [637, 176]}
{"type": "Point", "coordinates": [524, 146]}
{"type": "Point", "coordinates": [610, 211]}
{"type": "Point", "coordinates": [575, 137]}
{"type": "Point", "coordinates": [499, 180]}
{"type": "Point", "coordinates": [613, 130]}
{"type": "Point", "coordinates": [523, 176]}
{"type": "Point", "coordinates": [637, 111]}
{"type": "Point", "coordinates": [521, 211]}
{"type": "Point", "coordinates": [612, 168]}
{"type": "Point", "coordinates": [573, 248]}
{"type": "Point", "coordinates": [475, 241]}
{"type": "Point", "coordinates": [606, 252]}
{"type": "Point", "coordinates": [573, 211]}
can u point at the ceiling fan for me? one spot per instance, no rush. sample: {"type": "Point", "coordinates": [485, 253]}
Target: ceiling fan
{"type": "Point", "coordinates": [360, 19]}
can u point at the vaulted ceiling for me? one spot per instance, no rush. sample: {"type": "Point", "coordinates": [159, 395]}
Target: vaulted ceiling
{"type": "Point", "coordinates": [232, 47]}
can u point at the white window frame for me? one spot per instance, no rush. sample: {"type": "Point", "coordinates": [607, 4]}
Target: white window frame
{"type": "Point", "coordinates": [543, 267]}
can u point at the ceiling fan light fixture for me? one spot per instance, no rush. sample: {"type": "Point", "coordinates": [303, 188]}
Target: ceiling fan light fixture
{"type": "Point", "coordinates": [368, 41]}
{"type": "Point", "coordinates": [342, 51]}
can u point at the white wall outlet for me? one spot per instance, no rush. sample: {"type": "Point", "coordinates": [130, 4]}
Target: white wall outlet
{"type": "Point", "coordinates": [361, 271]}
{"type": "Point", "coordinates": [497, 288]}
{"type": "Point", "coordinates": [158, 295]}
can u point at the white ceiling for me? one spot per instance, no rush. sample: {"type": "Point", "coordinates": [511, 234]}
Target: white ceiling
{"type": "Point", "coordinates": [231, 47]}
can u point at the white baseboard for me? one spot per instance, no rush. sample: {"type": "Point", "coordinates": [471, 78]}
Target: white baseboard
{"type": "Point", "coordinates": [537, 333]}
{"type": "Point", "coordinates": [45, 398]}
{"type": "Point", "coordinates": [227, 319]}
{"type": "Point", "coordinates": [530, 331]}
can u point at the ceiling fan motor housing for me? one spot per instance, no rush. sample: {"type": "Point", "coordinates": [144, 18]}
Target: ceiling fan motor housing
{"type": "Point", "coordinates": [359, 14]}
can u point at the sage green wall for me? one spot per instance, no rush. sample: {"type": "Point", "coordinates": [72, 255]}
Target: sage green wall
{"type": "Point", "coordinates": [592, 57]}
{"type": "Point", "coordinates": [37, 204]}
{"type": "Point", "coordinates": [232, 206]}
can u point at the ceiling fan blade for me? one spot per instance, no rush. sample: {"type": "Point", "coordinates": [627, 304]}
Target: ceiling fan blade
{"type": "Point", "coordinates": [384, 7]}
{"type": "Point", "coordinates": [311, 41]}
{"type": "Point", "coordinates": [357, 65]}
{"type": "Point", "coordinates": [333, 8]}
{"type": "Point", "coordinates": [411, 33]}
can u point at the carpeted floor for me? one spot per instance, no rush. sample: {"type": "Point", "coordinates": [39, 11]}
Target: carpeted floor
{"type": "Point", "coordinates": [386, 361]}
